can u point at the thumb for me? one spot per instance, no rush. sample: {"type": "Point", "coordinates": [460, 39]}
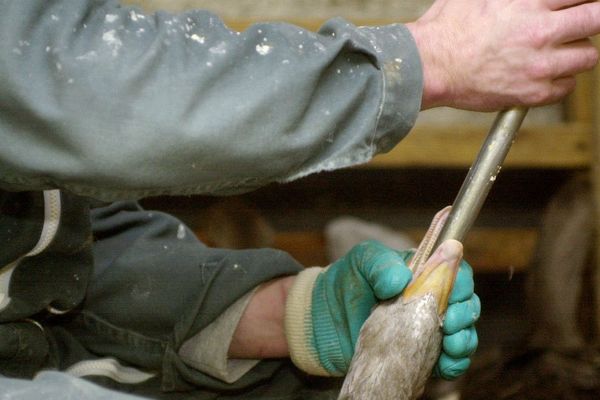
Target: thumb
{"type": "Point", "coordinates": [388, 274]}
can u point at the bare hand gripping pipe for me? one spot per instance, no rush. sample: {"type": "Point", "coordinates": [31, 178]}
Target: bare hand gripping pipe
{"type": "Point", "coordinates": [401, 341]}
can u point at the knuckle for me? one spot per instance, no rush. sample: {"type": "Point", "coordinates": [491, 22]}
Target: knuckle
{"type": "Point", "coordinates": [538, 35]}
{"type": "Point", "coordinates": [539, 95]}
{"type": "Point", "coordinates": [461, 344]}
{"type": "Point", "coordinates": [476, 307]}
{"type": "Point", "coordinates": [540, 69]}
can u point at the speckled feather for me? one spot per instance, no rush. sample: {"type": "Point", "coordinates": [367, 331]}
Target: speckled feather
{"type": "Point", "coordinates": [397, 349]}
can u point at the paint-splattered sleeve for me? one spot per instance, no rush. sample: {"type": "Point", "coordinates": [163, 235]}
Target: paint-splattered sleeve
{"type": "Point", "coordinates": [109, 102]}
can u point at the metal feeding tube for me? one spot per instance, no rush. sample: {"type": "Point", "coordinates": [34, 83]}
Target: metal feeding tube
{"type": "Point", "coordinates": [482, 174]}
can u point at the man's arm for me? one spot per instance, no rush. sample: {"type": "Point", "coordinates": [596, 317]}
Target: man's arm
{"type": "Point", "coordinates": [315, 316]}
{"type": "Point", "coordinates": [260, 332]}
{"type": "Point", "coordinates": [109, 102]}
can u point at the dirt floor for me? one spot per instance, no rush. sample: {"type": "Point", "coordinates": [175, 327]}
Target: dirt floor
{"type": "Point", "coordinates": [506, 368]}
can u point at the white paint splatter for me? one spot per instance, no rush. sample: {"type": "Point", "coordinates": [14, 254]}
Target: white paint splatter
{"type": "Point", "coordinates": [87, 56]}
{"type": "Point", "coordinates": [59, 66]}
{"type": "Point", "coordinates": [181, 232]}
{"type": "Point", "coordinates": [48, 48]}
{"type": "Point", "coordinates": [285, 62]}
{"type": "Point", "coordinates": [112, 41]}
{"type": "Point", "coordinates": [196, 38]}
{"type": "Point", "coordinates": [54, 17]}
{"type": "Point", "coordinates": [110, 18]}
{"type": "Point", "coordinates": [221, 48]}
{"type": "Point", "coordinates": [209, 64]}
{"type": "Point", "coordinates": [320, 46]}
{"type": "Point", "coordinates": [263, 49]}
{"type": "Point", "coordinates": [135, 16]}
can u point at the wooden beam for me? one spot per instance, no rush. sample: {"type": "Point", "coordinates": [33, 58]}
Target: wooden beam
{"type": "Point", "coordinates": [579, 106]}
{"type": "Point", "coordinates": [554, 146]}
{"type": "Point", "coordinates": [313, 24]}
{"type": "Point", "coordinates": [487, 249]}
{"type": "Point", "coordinates": [595, 174]}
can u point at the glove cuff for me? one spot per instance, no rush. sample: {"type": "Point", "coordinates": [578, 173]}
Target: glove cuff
{"type": "Point", "coordinates": [298, 323]}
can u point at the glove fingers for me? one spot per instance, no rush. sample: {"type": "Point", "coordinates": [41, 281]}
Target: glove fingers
{"type": "Point", "coordinates": [386, 271]}
{"type": "Point", "coordinates": [462, 343]}
{"type": "Point", "coordinates": [451, 368]}
{"type": "Point", "coordinates": [464, 285]}
{"type": "Point", "coordinates": [462, 315]}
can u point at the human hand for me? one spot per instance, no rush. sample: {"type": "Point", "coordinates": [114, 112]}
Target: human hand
{"type": "Point", "coordinates": [327, 307]}
{"type": "Point", "coordinates": [486, 55]}
{"type": "Point", "coordinates": [460, 337]}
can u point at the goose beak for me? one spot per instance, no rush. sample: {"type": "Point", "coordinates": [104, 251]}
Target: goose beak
{"type": "Point", "coordinates": [437, 275]}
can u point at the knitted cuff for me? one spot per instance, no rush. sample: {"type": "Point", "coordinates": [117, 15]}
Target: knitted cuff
{"type": "Point", "coordinates": [298, 323]}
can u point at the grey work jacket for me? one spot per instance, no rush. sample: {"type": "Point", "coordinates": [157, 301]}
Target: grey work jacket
{"type": "Point", "coordinates": [111, 103]}
{"type": "Point", "coordinates": [103, 101]}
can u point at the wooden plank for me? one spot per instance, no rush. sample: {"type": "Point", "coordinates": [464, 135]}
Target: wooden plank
{"type": "Point", "coordinates": [595, 174]}
{"type": "Point", "coordinates": [305, 246]}
{"type": "Point", "coordinates": [555, 146]}
{"type": "Point", "coordinates": [487, 249]}
{"type": "Point", "coordinates": [579, 106]}
{"type": "Point", "coordinates": [313, 25]}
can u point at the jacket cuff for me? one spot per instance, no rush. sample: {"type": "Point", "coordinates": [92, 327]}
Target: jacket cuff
{"type": "Point", "coordinates": [399, 60]}
{"type": "Point", "coordinates": [298, 323]}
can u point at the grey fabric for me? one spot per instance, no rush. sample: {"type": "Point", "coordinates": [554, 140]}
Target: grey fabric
{"type": "Point", "coordinates": [155, 286]}
{"type": "Point", "coordinates": [286, 384]}
{"type": "Point", "coordinates": [21, 219]}
{"type": "Point", "coordinates": [111, 103]}
{"type": "Point", "coordinates": [56, 386]}
{"type": "Point", "coordinates": [57, 277]}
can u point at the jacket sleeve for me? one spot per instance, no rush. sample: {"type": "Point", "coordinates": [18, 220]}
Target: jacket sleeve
{"type": "Point", "coordinates": [109, 102]}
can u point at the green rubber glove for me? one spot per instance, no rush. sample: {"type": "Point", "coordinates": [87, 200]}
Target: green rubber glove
{"type": "Point", "coordinates": [460, 337]}
{"type": "Point", "coordinates": [326, 307]}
